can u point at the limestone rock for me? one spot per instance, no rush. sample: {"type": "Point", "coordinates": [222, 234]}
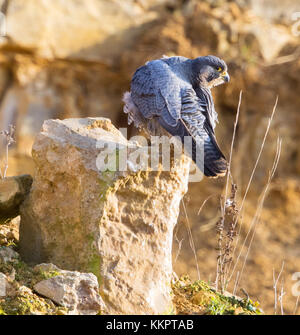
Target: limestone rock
{"type": "Point", "coordinates": [53, 25]}
{"type": "Point", "coordinates": [12, 192]}
{"type": "Point", "coordinates": [3, 283]}
{"type": "Point", "coordinates": [271, 38]}
{"type": "Point", "coordinates": [23, 290]}
{"type": "Point", "coordinates": [273, 11]}
{"type": "Point", "coordinates": [7, 254]}
{"type": "Point", "coordinates": [79, 292]}
{"type": "Point", "coordinates": [9, 232]}
{"type": "Point", "coordinates": [115, 224]}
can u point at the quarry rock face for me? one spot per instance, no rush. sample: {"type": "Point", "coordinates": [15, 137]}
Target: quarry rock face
{"type": "Point", "coordinates": [39, 87]}
{"type": "Point", "coordinates": [115, 224]}
{"type": "Point", "coordinates": [49, 19]}
{"type": "Point", "coordinates": [46, 73]}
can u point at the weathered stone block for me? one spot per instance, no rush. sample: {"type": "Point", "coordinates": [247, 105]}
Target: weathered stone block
{"type": "Point", "coordinates": [117, 225]}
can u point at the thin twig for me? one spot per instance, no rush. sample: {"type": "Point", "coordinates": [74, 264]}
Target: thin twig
{"type": "Point", "coordinates": [235, 283]}
{"type": "Point", "coordinates": [9, 139]}
{"type": "Point", "coordinates": [220, 227]}
{"type": "Point", "coordinates": [282, 294]}
{"type": "Point", "coordinates": [179, 246]}
{"type": "Point", "coordinates": [204, 202]}
{"type": "Point", "coordinates": [275, 282]}
{"type": "Point", "coordinates": [191, 239]}
{"type": "Point", "coordinates": [231, 147]}
{"type": "Point", "coordinates": [296, 305]}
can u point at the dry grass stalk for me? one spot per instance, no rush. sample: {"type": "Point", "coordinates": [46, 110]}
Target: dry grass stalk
{"type": "Point", "coordinates": [191, 240]}
{"type": "Point", "coordinates": [282, 293]}
{"type": "Point", "coordinates": [179, 242]}
{"type": "Point", "coordinates": [240, 210]}
{"type": "Point", "coordinates": [231, 214]}
{"type": "Point", "coordinates": [251, 178]}
{"type": "Point", "coordinates": [296, 305]}
{"type": "Point", "coordinates": [226, 233]}
{"type": "Point", "coordinates": [8, 137]}
{"type": "Point", "coordinates": [223, 255]}
{"type": "Point", "coordinates": [258, 212]}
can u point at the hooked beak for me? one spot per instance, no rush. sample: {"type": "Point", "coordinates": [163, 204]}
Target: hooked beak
{"type": "Point", "coordinates": [225, 77]}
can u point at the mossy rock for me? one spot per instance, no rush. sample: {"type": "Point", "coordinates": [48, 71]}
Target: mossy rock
{"type": "Point", "coordinates": [24, 301]}
{"type": "Point", "coordinates": [200, 298]}
{"type": "Point", "coordinates": [28, 304]}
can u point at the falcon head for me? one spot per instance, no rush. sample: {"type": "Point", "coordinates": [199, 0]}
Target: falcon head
{"type": "Point", "coordinates": [209, 71]}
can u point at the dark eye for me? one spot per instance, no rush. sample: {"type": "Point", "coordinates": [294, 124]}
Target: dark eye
{"type": "Point", "coordinates": [219, 69]}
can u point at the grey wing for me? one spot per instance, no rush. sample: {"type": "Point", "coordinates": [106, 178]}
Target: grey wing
{"type": "Point", "coordinates": [156, 91]}
{"type": "Point", "coordinates": [195, 122]}
{"type": "Point", "coordinates": [215, 163]}
{"type": "Point", "coordinates": [204, 94]}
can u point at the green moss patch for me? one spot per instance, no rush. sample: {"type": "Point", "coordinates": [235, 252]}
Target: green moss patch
{"type": "Point", "coordinates": [199, 298]}
{"type": "Point", "coordinates": [20, 299]}
{"type": "Point", "coordinates": [29, 303]}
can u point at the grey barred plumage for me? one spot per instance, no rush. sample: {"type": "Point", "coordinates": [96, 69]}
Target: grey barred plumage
{"type": "Point", "coordinates": [175, 93]}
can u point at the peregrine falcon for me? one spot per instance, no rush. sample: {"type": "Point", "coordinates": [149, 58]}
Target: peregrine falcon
{"type": "Point", "coordinates": [175, 92]}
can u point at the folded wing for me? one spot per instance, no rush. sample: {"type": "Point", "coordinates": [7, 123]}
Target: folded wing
{"type": "Point", "coordinates": [159, 92]}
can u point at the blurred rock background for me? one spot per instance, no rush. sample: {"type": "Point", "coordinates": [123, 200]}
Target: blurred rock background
{"type": "Point", "coordinates": [61, 59]}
